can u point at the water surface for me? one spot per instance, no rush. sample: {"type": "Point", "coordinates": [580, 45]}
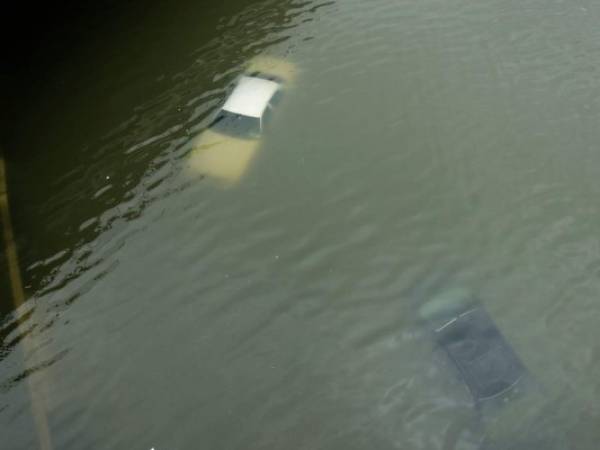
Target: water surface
{"type": "Point", "coordinates": [420, 137]}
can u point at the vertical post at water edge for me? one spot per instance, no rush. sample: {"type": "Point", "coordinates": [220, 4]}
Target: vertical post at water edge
{"type": "Point", "coordinates": [16, 285]}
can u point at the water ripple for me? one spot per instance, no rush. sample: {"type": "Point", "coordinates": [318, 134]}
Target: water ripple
{"type": "Point", "coordinates": [419, 138]}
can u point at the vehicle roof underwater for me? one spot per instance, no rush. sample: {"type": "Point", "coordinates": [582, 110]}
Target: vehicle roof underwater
{"type": "Point", "coordinates": [251, 96]}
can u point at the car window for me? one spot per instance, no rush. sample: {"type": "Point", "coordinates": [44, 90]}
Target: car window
{"type": "Point", "coordinates": [266, 76]}
{"type": "Point", "coordinates": [236, 125]}
{"type": "Point", "coordinates": [267, 117]}
{"type": "Point", "coordinates": [276, 99]}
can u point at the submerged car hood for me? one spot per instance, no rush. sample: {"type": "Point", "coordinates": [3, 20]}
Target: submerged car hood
{"type": "Point", "coordinates": [222, 157]}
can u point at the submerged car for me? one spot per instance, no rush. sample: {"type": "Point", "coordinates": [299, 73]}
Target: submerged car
{"type": "Point", "coordinates": [225, 150]}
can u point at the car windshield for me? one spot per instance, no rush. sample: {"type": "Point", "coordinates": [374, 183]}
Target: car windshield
{"type": "Point", "coordinates": [266, 76]}
{"type": "Point", "coordinates": [236, 125]}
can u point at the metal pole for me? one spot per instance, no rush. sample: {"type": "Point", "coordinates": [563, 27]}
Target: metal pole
{"type": "Point", "coordinates": [37, 401]}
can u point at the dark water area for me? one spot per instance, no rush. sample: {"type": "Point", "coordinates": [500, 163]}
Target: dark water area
{"type": "Point", "coordinates": [43, 42]}
{"type": "Point", "coordinates": [35, 39]}
{"type": "Point", "coordinates": [166, 310]}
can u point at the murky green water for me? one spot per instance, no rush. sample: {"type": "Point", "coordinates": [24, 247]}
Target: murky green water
{"type": "Point", "coordinates": [420, 137]}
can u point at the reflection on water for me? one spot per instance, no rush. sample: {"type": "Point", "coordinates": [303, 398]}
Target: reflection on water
{"type": "Point", "coordinates": [421, 137]}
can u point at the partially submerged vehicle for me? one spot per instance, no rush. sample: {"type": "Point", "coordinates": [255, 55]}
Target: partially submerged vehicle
{"type": "Point", "coordinates": [225, 150]}
{"type": "Point", "coordinates": [509, 402]}
{"type": "Point", "coordinates": [462, 327]}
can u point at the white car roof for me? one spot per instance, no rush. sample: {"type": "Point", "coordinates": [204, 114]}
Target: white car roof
{"type": "Point", "coordinates": [251, 96]}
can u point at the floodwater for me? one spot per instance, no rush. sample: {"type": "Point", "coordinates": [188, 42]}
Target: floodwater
{"type": "Point", "coordinates": [171, 312]}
